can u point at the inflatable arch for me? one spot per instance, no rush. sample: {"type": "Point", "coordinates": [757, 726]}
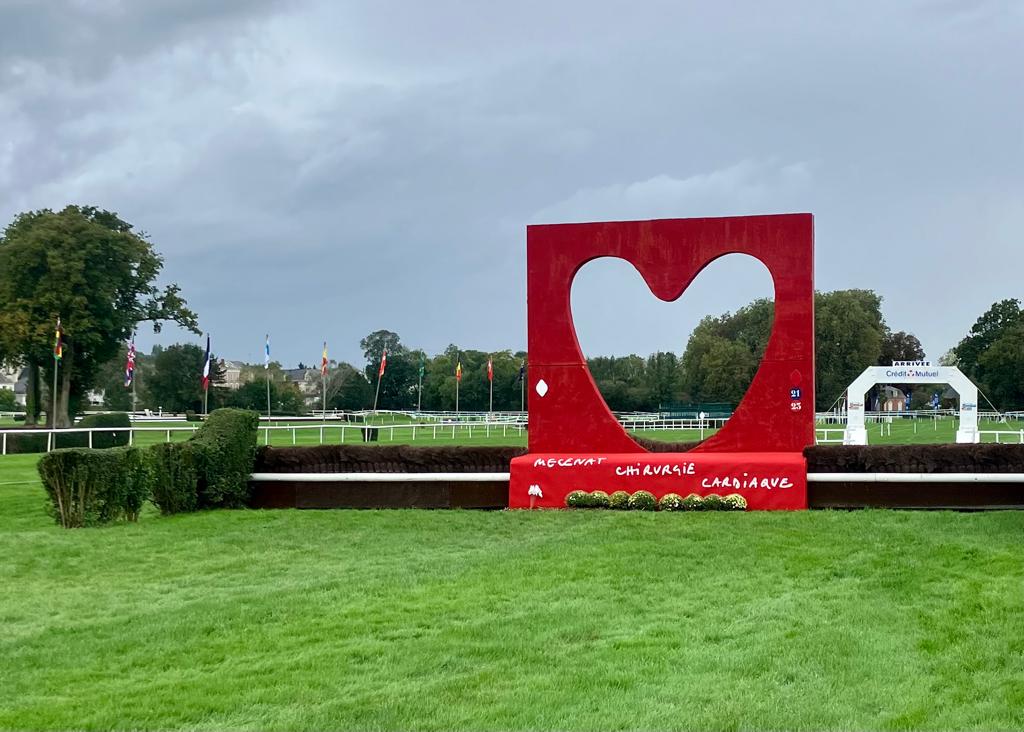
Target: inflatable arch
{"type": "Point", "coordinates": [911, 372]}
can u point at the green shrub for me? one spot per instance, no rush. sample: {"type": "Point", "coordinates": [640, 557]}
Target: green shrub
{"type": "Point", "coordinates": [713, 502]}
{"type": "Point", "coordinates": [643, 501]}
{"type": "Point", "coordinates": [693, 502]}
{"type": "Point", "coordinates": [30, 440]}
{"type": "Point", "coordinates": [106, 439]}
{"type": "Point", "coordinates": [211, 469]}
{"type": "Point", "coordinates": [619, 500]}
{"type": "Point", "coordinates": [90, 487]}
{"type": "Point", "coordinates": [225, 450]}
{"type": "Point", "coordinates": [175, 477]}
{"type": "Point", "coordinates": [735, 502]}
{"type": "Point", "coordinates": [577, 499]}
{"type": "Point", "coordinates": [671, 502]}
{"type": "Point", "coordinates": [599, 499]}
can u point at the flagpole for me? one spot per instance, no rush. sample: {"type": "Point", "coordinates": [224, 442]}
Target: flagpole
{"type": "Point", "coordinates": [377, 393]}
{"type": "Point", "coordinates": [457, 395]}
{"type": "Point", "coordinates": [419, 397]}
{"type": "Point", "coordinates": [58, 348]}
{"type": "Point", "coordinates": [323, 388]}
{"type": "Point", "coordinates": [266, 370]}
{"type": "Point", "coordinates": [53, 419]}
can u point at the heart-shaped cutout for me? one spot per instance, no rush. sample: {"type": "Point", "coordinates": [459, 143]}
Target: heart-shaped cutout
{"type": "Point", "coordinates": [615, 313]}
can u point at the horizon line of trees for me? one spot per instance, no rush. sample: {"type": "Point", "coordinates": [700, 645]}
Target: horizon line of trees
{"type": "Point", "coordinates": [717, 365]}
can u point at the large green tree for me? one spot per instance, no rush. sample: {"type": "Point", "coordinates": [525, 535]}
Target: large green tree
{"type": "Point", "coordinates": [724, 352]}
{"type": "Point", "coordinates": [1001, 368]}
{"type": "Point", "coordinates": [175, 384]}
{"type": "Point", "coordinates": [900, 346]}
{"type": "Point", "coordinates": [398, 384]}
{"type": "Point", "coordinates": [990, 354]}
{"type": "Point", "coordinates": [97, 274]}
{"type": "Point", "coordinates": [285, 397]}
{"type": "Point", "coordinates": [110, 380]}
{"type": "Point", "coordinates": [849, 331]}
{"type": "Point", "coordinates": [348, 389]}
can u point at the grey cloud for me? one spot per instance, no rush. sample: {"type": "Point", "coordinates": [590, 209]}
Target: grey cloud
{"type": "Point", "coordinates": [368, 165]}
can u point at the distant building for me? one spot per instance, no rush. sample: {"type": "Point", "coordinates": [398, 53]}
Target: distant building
{"type": "Point", "coordinates": [15, 379]}
{"type": "Point", "coordinates": [9, 377]}
{"type": "Point", "coordinates": [308, 381]}
{"type": "Point", "coordinates": [891, 399]}
{"type": "Point", "coordinates": [233, 374]}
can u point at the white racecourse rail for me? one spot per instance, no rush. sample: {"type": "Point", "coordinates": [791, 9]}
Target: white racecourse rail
{"type": "Point", "coordinates": [448, 425]}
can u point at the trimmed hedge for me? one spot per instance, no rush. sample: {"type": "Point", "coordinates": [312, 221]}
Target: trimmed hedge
{"type": "Point", "coordinates": [643, 501]}
{"type": "Point", "coordinates": [226, 450]}
{"type": "Point", "coordinates": [619, 500]}
{"type": "Point", "coordinates": [980, 458]}
{"type": "Point", "coordinates": [90, 487]}
{"type": "Point", "coordinates": [693, 502]}
{"type": "Point", "coordinates": [385, 459]}
{"type": "Point", "coordinates": [577, 499]}
{"type": "Point", "coordinates": [175, 477]}
{"type": "Point", "coordinates": [31, 440]}
{"type": "Point", "coordinates": [713, 502]}
{"type": "Point", "coordinates": [107, 439]}
{"type": "Point", "coordinates": [209, 470]}
{"type": "Point", "coordinates": [671, 502]}
{"type": "Point", "coordinates": [735, 502]}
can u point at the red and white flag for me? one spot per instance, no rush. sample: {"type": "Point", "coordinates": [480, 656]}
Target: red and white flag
{"type": "Point", "coordinates": [490, 370]}
{"type": "Point", "coordinates": [383, 363]}
{"type": "Point", "coordinates": [129, 367]}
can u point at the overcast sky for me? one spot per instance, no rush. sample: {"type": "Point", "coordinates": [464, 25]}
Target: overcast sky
{"type": "Point", "coordinates": [325, 169]}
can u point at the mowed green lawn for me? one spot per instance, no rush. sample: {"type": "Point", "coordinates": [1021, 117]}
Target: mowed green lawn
{"type": "Point", "coordinates": [509, 620]}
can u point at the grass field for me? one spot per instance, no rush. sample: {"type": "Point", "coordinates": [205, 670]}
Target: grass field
{"type": "Point", "coordinates": [509, 620]}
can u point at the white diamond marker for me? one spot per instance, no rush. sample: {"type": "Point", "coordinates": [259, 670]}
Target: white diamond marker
{"type": "Point", "coordinates": [542, 387]}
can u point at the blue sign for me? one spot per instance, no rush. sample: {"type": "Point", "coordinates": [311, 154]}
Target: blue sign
{"type": "Point", "coordinates": [794, 393]}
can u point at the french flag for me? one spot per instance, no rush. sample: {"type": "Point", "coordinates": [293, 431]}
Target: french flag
{"type": "Point", "coordinates": [206, 365]}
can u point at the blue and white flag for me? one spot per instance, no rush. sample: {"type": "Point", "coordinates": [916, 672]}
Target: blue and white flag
{"type": "Point", "coordinates": [266, 354]}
